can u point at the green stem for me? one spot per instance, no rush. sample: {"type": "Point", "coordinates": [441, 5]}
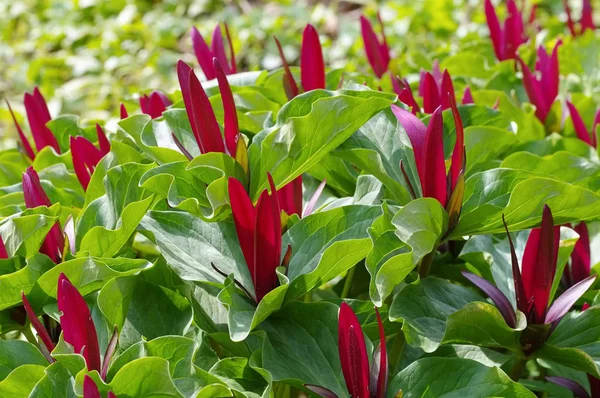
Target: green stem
{"type": "Point", "coordinates": [517, 369]}
{"type": "Point", "coordinates": [426, 264]}
{"type": "Point", "coordinates": [397, 348]}
{"type": "Point", "coordinates": [348, 282]}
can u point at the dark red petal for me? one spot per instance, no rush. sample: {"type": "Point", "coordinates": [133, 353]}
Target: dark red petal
{"type": "Point", "coordinates": [532, 87]}
{"type": "Point", "coordinates": [156, 105]}
{"type": "Point", "coordinates": [416, 131]}
{"type": "Point", "coordinates": [3, 253]}
{"type": "Point", "coordinates": [580, 129]}
{"type": "Point", "coordinates": [85, 158]}
{"type": "Point", "coordinates": [218, 49]}
{"type": "Point", "coordinates": [570, 23]}
{"type": "Point", "coordinates": [42, 105]}
{"type": "Point", "coordinates": [312, 67]}
{"type": "Point", "coordinates": [434, 168]}
{"type": "Point", "coordinates": [447, 91]}
{"type": "Point", "coordinates": [103, 142]}
{"type": "Point", "coordinates": [232, 129]}
{"type": "Point", "coordinates": [290, 197]}
{"type": "Point", "coordinates": [207, 129]}
{"type": "Point", "coordinates": [203, 54]}
{"type": "Point", "coordinates": [585, 306]}
{"type": "Point", "coordinates": [267, 241]}
{"type": "Point", "coordinates": [144, 104]}
{"type": "Point", "coordinates": [496, 33]}
{"type": "Point", "coordinates": [596, 122]}
{"type": "Point", "coordinates": [594, 385]}
{"type": "Point", "coordinates": [90, 389]}
{"type": "Point", "coordinates": [289, 82]}
{"type": "Point", "coordinates": [111, 395]}
{"type": "Point", "coordinates": [37, 117]}
{"type": "Point", "coordinates": [22, 137]}
{"type": "Point", "coordinates": [353, 353]}
{"type": "Point", "coordinates": [563, 304]}
{"type": "Point", "coordinates": [431, 93]}
{"type": "Point", "coordinates": [587, 20]}
{"type": "Point", "coordinates": [77, 324]}
{"type": "Point", "coordinates": [581, 256]}
{"type": "Point", "coordinates": [499, 299]}
{"type": "Point", "coordinates": [123, 112]}
{"type": "Point", "coordinates": [379, 368]}
{"type": "Point", "coordinates": [467, 97]}
{"type": "Point", "coordinates": [520, 295]}
{"type": "Point", "coordinates": [404, 92]}
{"type": "Point", "coordinates": [183, 74]}
{"type": "Point", "coordinates": [244, 217]}
{"type": "Point", "coordinates": [551, 79]}
{"type": "Point", "coordinates": [458, 153]}
{"type": "Point", "coordinates": [372, 47]}
{"type": "Point", "coordinates": [37, 325]}
{"type": "Point", "coordinates": [571, 385]}
{"type": "Point", "coordinates": [232, 66]}
{"type": "Point", "coordinates": [514, 32]}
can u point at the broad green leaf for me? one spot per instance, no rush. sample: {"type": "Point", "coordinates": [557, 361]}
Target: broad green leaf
{"type": "Point", "coordinates": [15, 353]}
{"type": "Point", "coordinates": [485, 145]}
{"type": "Point", "coordinates": [57, 380]}
{"type": "Point", "coordinates": [21, 381]}
{"type": "Point", "coordinates": [24, 233]}
{"type": "Point", "coordinates": [145, 377]}
{"type": "Point", "coordinates": [23, 280]}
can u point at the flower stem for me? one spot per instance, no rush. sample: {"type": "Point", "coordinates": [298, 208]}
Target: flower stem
{"type": "Point", "coordinates": [426, 264]}
{"type": "Point", "coordinates": [517, 369]}
{"type": "Point", "coordinates": [348, 282]}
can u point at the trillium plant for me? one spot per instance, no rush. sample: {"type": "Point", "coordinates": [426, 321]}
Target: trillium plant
{"type": "Point", "coordinates": [407, 206]}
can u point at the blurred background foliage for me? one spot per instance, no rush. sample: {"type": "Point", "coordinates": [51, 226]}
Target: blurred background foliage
{"type": "Point", "coordinates": [87, 56]}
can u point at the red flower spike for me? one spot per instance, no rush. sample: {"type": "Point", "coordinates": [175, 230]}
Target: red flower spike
{"type": "Point", "coordinates": [506, 40]}
{"type": "Point", "coordinates": [447, 91]}
{"type": "Point", "coordinates": [85, 158]}
{"type": "Point", "coordinates": [37, 325]}
{"type": "Point", "coordinates": [379, 368]}
{"type": "Point", "coordinates": [290, 197]}
{"type": "Point", "coordinates": [570, 23]}
{"type": "Point", "coordinates": [232, 67]}
{"type": "Point", "coordinates": [155, 104]}
{"type": "Point", "coordinates": [35, 196]}
{"type": "Point", "coordinates": [38, 115]}
{"type": "Point", "coordinates": [232, 128]}
{"type": "Point", "coordinates": [312, 67]}
{"type": "Point", "coordinates": [24, 141]}
{"type": "Point", "coordinates": [353, 353]}
{"type": "Point", "coordinates": [90, 389]}
{"type": "Point", "coordinates": [467, 97]}
{"type": "Point", "coordinates": [77, 324]}
{"type": "Point", "coordinates": [289, 83]}
{"type": "Point", "coordinates": [458, 154]}
{"type": "Point", "coordinates": [244, 217]}
{"type": "Point", "coordinates": [404, 92]}
{"type": "Point", "coordinates": [581, 256]}
{"type": "Point", "coordinates": [203, 54]}
{"type": "Point", "coordinates": [539, 263]}
{"type": "Point", "coordinates": [123, 112]}
{"type": "Point", "coordinates": [520, 295]}
{"type": "Point", "coordinates": [377, 52]}
{"type": "Point", "coordinates": [218, 49]}
{"type": "Point", "coordinates": [587, 20]}
{"type": "Point", "coordinates": [433, 175]}
{"type": "Point", "coordinates": [103, 142]}
{"type": "Point", "coordinates": [582, 133]}
{"type": "Point", "coordinates": [431, 93]}
{"type": "Point", "coordinates": [3, 253]}
{"type": "Point", "coordinates": [495, 28]}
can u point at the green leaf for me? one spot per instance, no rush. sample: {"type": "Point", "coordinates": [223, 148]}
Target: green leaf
{"type": "Point", "coordinates": [21, 381]}
{"type": "Point", "coordinates": [57, 380]}
{"type": "Point", "coordinates": [23, 280]}
{"type": "Point", "coordinates": [24, 233]}
{"type": "Point", "coordinates": [461, 378]}
{"type": "Point", "coordinates": [145, 377]}
{"type": "Point", "coordinates": [308, 127]}
{"type": "Point", "coordinates": [16, 353]}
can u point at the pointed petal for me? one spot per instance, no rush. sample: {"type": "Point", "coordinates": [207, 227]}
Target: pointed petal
{"type": "Point", "coordinates": [123, 112]}
{"type": "Point", "coordinates": [447, 91]}
{"type": "Point", "coordinates": [233, 66]}
{"type": "Point", "coordinates": [372, 47]}
{"type": "Point", "coordinates": [102, 140]}
{"type": "Point", "coordinates": [563, 304]}
{"type": "Point", "coordinates": [290, 197]}
{"type": "Point", "coordinates": [156, 105]}
{"type": "Point", "coordinates": [431, 94]}
{"type": "Point", "coordinates": [514, 32]}
{"type": "Point", "coordinates": [434, 167]}
{"type": "Point", "coordinates": [580, 129]}
{"type": "Point", "coordinates": [3, 253]}
{"type": "Point", "coordinates": [144, 104]}
{"type": "Point", "coordinates": [587, 20]}
{"type": "Point", "coordinates": [90, 389]}
{"type": "Point", "coordinates": [85, 158]}
{"type": "Point", "coordinates": [312, 67]}
{"type": "Point", "coordinates": [218, 49]}
{"type": "Point", "coordinates": [314, 199]}
{"type": "Point", "coordinates": [232, 129]}
{"type": "Point", "coordinates": [458, 153]}
{"type": "Point", "coordinates": [203, 54]}
{"type": "Point", "coordinates": [244, 217]}
{"type": "Point", "coordinates": [37, 325]}
{"type": "Point", "coordinates": [499, 299]}
{"type": "Point", "coordinates": [585, 306]}
{"type": "Point", "coordinates": [551, 79]}
{"type": "Point", "coordinates": [521, 297]}
{"type": "Point", "coordinates": [404, 92]}
{"type": "Point", "coordinates": [416, 131]}
{"type": "Point", "coordinates": [77, 324]}
{"type": "Point", "coordinates": [22, 137]}
{"type": "Point", "coordinates": [321, 391]}
{"type": "Point", "coordinates": [571, 385]}
{"type": "Point", "coordinates": [42, 105]}
{"type": "Point", "coordinates": [534, 92]}
{"type": "Point", "coordinates": [37, 113]}
{"type": "Point", "coordinates": [379, 368]}
{"type": "Point", "coordinates": [467, 97]}
{"type": "Point", "coordinates": [570, 23]}
{"type": "Point", "coordinates": [289, 83]}
{"type": "Point", "coordinates": [581, 256]}
{"type": "Point", "coordinates": [267, 241]}
{"type": "Point", "coordinates": [353, 353]}
{"type": "Point", "coordinates": [596, 122]}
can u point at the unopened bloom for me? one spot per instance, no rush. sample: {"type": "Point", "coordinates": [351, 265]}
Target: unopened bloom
{"type": "Point", "coordinates": [533, 283]}
{"type": "Point", "coordinates": [205, 54]}
{"type": "Point", "coordinates": [585, 135]}
{"type": "Point", "coordinates": [586, 22]}
{"type": "Point", "coordinates": [362, 380]}
{"type": "Point", "coordinates": [506, 39]}
{"type": "Point", "coordinates": [154, 104]}
{"type": "Point", "coordinates": [35, 196]}
{"type": "Point", "coordinates": [86, 156]}
{"type": "Point", "coordinates": [378, 52]}
{"type": "Point", "coordinates": [542, 87]}
{"type": "Point", "coordinates": [428, 148]}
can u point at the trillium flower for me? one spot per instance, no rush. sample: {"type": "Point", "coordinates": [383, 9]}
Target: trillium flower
{"type": "Point", "coordinates": [123, 112]}
{"type": "Point", "coordinates": [362, 380]}
{"type": "Point", "coordinates": [405, 94]}
{"type": "Point", "coordinates": [77, 327]}
{"type": "Point", "coordinates": [428, 147]}
{"type": "Point", "coordinates": [202, 117]}
{"type": "Point", "coordinates": [153, 105]}
{"type": "Point", "coordinates": [580, 266]}
{"type": "Point", "coordinates": [38, 116]}
{"type": "Point", "coordinates": [533, 282]}
{"type": "Point", "coordinates": [542, 86]}
{"type": "Point", "coordinates": [86, 156]}
{"type": "Point", "coordinates": [378, 52]}
{"type": "Point", "coordinates": [90, 389]}
{"type": "Point", "coordinates": [589, 137]}
{"type": "Point", "coordinates": [312, 66]}
{"type": "Point", "coordinates": [35, 196]}
{"type": "Point", "coordinates": [205, 54]}
{"type": "Point", "coordinates": [259, 233]}
{"type": "Point", "coordinates": [506, 39]}
{"type": "Point", "coordinates": [586, 22]}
